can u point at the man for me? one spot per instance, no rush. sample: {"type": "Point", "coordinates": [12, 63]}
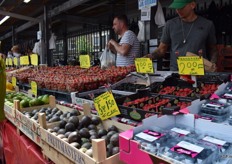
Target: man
{"type": "Point", "coordinates": [187, 33]}
{"type": "Point", "coordinates": [128, 48]}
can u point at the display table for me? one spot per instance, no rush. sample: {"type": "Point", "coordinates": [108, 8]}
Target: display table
{"type": "Point", "coordinates": [18, 148]}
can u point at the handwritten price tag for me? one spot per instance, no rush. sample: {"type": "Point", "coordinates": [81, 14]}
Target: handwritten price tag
{"type": "Point", "coordinates": [144, 65]}
{"type": "Point", "coordinates": [14, 81]}
{"type": "Point", "coordinates": [106, 106]}
{"type": "Point", "coordinates": [84, 61]}
{"type": "Point", "coordinates": [24, 60]}
{"type": "Point", "coordinates": [15, 61]}
{"type": "Point", "coordinates": [190, 65]}
{"type": "Point", "coordinates": [34, 88]}
{"type": "Point", "coordinates": [34, 59]}
{"type": "Point", "coordinates": [10, 62]}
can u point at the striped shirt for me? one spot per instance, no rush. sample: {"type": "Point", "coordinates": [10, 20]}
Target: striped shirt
{"type": "Point", "coordinates": [128, 38]}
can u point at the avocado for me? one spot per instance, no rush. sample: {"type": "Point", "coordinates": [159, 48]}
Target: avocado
{"type": "Point", "coordinates": [89, 152]}
{"type": "Point", "coordinates": [42, 110]}
{"type": "Point", "coordinates": [55, 129]}
{"type": "Point", "coordinates": [75, 113]}
{"type": "Point", "coordinates": [115, 150]}
{"type": "Point", "coordinates": [54, 119]}
{"type": "Point", "coordinates": [54, 110]}
{"type": "Point", "coordinates": [59, 113]}
{"type": "Point", "coordinates": [61, 131]}
{"type": "Point", "coordinates": [69, 127]}
{"type": "Point", "coordinates": [86, 121]}
{"type": "Point", "coordinates": [84, 132]}
{"type": "Point", "coordinates": [87, 145]}
{"type": "Point", "coordinates": [74, 137]}
{"type": "Point", "coordinates": [76, 145]}
{"type": "Point", "coordinates": [114, 140]}
{"type": "Point", "coordinates": [102, 132]}
{"type": "Point", "coordinates": [110, 133]}
{"type": "Point", "coordinates": [62, 124]}
{"type": "Point", "coordinates": [109, 148]}
{"type": "Point", "coordinates": [61, 136]}
{"type": "Point", "coordinates": [34, 111]}
{"type": "Point", "coordinates": [113, 128]}
{"type": "Point", "coordinates": [93, 132]}
{"type": "Point", "coordinates": [92, 127]}
{"type": "Point", "coordinates": [84, 140]}
{"type": "Point", "coordinates": [67, 134]}
{"type": "Point", "coordinates": [95, 120]}
{"type": "Point", "coordinates": [74, 120]}
{"type": "Point", "coordinates": [105, 138]}
{"type": "Point", "coordinates": [93, 137]}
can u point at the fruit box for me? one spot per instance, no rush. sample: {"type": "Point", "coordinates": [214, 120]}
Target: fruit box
{"type": "Point", "coordinates": [135, 112]}
{"type": "Point", "coordinates": [77, 156]}
{"type": "Point", "coordinates": [32, 124]}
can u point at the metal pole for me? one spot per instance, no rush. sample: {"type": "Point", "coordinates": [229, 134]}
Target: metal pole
{"type": "Point", "coordinates": [46, 38]}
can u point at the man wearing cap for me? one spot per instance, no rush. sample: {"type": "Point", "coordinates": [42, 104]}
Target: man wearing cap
{"type": "Point", "coordinates": [187, 33]}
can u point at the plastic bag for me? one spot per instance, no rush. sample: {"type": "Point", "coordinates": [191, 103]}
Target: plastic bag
{"type": "Point", "coordinates": [107, 59]}
{"type": "Point", "coordinates": [141, 34]}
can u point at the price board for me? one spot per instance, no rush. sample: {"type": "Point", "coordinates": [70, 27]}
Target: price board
{"type": "Point", "coordinates": [14, 81]}
{"type": "Point", "coordinates": [34, 59]}
{"type": "Point", "coordinates": [10, 62]}
{"type": "Point", "coordinates": [144, 65]}
{"type": "Point", "coordinates": [84, 61]}
{"type": "Point", "coordinates": [7, 61]}
{"type": "Point", "coordinates": [24, 60]}
{"type": "Point", "coordinates": [106, 105]}
{"type": "Point", "coordinates": [190, 65]}
{"type": "Point", "coordinates": [15, 61]}
{"type": "Point", "coordinates": [34, 88]}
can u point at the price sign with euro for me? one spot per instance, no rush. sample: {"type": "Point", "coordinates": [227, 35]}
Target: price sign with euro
{"type": "Point", "coordinates": [24, 60]}
{"type": "Point", "coordinates": [106, 105]}
{"type": "Point", "coordinates": [7, 61]}
{"type": "Point", "coordinates": [84, 61]}
{"type": "Point", "coordinates": [14, 81]}
{"type": "Point", "coordinates": [15, 61]}
{"type": "Point", "coordinates": [10, 62]}
{"type": "Point", "coordinates": [144, 65]}
{"type": "Point", "coordinates": [190, 65]}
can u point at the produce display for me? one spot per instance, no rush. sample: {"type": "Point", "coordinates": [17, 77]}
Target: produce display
{"type": "Point", "coordinates": [208, 88]}
{"type": "Point", "coordinates": [79, 132]}
{"type": "Point", "coordinates": [25, 101]}
{"type": "Point", "coordinates": [72, 78]}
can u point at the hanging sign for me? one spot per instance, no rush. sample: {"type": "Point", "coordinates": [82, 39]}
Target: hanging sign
{"type": "Point", "coordinates": [190, 65]}
{"type": "Point", "coordinates": [106, 105]}
{"type": "Point", "coordinates": [15, 61]}
{"type": "Point", "coordinates": [84, 61]}
{"type": "Point", "coordinates": [10, 62]}
{"type": "Point", "coordinates": [144, 65]}
{"type": "Point", "coordinates": [34, 59]}
{"type": "Point", "coordinates": [34, 88]}
{"type": "Point", "coordinates": [146, 3]}
{"type": "Point", "coordinates": [14, 81]}
{"type": "Point", "coordinates": [24, 60]}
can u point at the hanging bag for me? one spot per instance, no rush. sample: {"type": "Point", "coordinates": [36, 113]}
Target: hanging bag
{"type": "Point", "coordinates": [107, 59]}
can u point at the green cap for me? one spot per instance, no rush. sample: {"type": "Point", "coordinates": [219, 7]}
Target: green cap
{"type": "Point", "coordinates": [178, 4]}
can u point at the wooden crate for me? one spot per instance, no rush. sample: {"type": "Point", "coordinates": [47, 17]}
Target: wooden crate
{"type": "Point", "coordinates": [76, 156]}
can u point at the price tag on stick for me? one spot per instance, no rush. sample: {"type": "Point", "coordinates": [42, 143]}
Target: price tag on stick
{"type": "Point", "coordinates": [10, 62]}
{"type": "Point", "coordinates": [144, 65]}
{"type": "Point", "coordinates": [24, 60]}
{"type": "Point", "coordinates": [34, 59]}
{"type": "Point", "coordinates": [34, 88]}
{"type": "Point", "coordinates": [106, 105]}
{"type": "Point", "coordinates": [84, 61]}
{"type": "Point", "coordinates": [190, 65]}
{"type": "Point", "coordinates": [7, 61]}
{"type": "Point", "coordinates": [14, 81]}
{"type": "Point", "coordinates": [15, 61]}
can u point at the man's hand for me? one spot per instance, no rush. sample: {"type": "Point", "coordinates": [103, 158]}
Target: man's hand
{"type": "Point", "coordinates": [148, 56]}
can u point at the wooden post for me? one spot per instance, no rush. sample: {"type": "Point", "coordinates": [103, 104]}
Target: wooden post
{"type": "Point", "coordinates": [52, 101]}
{"type": "Point", "coordinates": [87, 109]}
{"type": "Point", "coordinates": [99, 149]}
{"type": "Point", "coordinates": [17, 105]}
{"type": "Point", "coordinates": [42, 120]}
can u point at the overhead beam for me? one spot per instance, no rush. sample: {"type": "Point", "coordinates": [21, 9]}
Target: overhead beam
{"type": "Point", "coordinates": [66, 6]}
{"type": "Point", "coordinates": [92, 7]}
{"type": "Point", "coordinates": [79, 19]}
{"type": "Point", "coordinates": [19, 16]}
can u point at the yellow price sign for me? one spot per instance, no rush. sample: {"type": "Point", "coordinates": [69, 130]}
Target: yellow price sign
{"type": "Point", "coordinates": [10, 62]}
{"type": "Point", "coordinates": [144, 65]}
{"type": "Point", "coordinates": [34, 59]}
{"type": "Point", "coordinates": [7, 61]}
{"type": "Point", "coordinates": [14, 81]}
{"type": "Point", "coordinates": [24, 60]}
{"type": "Point", "coordinates": [106, 105]}
{"type": "Point", "coordinates": [15, 61]}
{"type": "Point", "coordinates": [190, 65]}
{"type": "Point", "coordinates": [84, 61]}
{"type": "Point", "coordinates": [34, 88]}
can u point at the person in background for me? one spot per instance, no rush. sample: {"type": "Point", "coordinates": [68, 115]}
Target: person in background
{"type": "Point", "coordinates": [187, 33]}
{"type": "Point", "coordinates": [16, 51]}
{"type": "Point", "coordinates": [128, 47]}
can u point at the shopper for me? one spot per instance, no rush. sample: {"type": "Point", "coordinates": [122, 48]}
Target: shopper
{"type": "Point", "coordinates": [128, 47]}
{"type": "Point", "coordinates": [188, 32]}
{"type": "Point", "coordinates": [16, 51]}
